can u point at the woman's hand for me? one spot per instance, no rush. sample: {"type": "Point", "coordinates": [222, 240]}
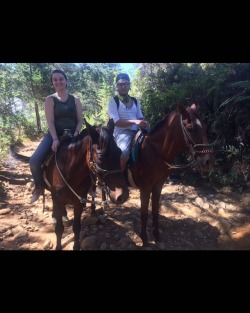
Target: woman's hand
{"type": "Point", "coordinates": [55, 144]}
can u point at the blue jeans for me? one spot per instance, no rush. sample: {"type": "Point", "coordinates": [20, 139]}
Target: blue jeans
{"type": "Point", "coordinates": [38, 158]}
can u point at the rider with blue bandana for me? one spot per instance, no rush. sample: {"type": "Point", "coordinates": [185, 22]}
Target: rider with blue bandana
{"type": "Point", "coordinates": [128, 117]}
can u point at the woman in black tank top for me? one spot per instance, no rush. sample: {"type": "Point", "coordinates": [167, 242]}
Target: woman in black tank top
{"type": "Point", "coordinates": [62, 111]}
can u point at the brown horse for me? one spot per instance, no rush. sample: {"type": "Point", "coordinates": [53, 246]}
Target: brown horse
{"type": "Point", "coordinates": [181, 130]}
{"type": "Point", "coordinates": [92, 155]}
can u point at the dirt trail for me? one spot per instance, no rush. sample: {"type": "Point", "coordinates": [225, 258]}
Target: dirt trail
{"type": "Point", "coordinates": [191, 218]}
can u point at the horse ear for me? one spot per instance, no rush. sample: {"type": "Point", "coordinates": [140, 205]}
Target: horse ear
{"type": "Point", "coordinates": [111, 125]}
{"type": "Point", "coordinates": [182, 110]}
{"type": "Point", "coordinates": [92, 132]}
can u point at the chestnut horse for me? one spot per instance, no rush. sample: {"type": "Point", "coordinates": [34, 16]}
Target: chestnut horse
{"type": "Point", "coordinates": [181, 130]}
{"type": "Point", "coordinates": [92, 155]}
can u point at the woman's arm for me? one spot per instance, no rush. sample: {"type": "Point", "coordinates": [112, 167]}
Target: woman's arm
{"type": "Point", "coordinates": [78, 116]}
{"type": "Point", "coordinates": [49, 113]}
{"type": "Point", "coordinates": [50, 117]}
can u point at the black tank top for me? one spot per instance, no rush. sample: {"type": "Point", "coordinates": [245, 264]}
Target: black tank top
{"type": "Point", "coordinates": [65, 114]}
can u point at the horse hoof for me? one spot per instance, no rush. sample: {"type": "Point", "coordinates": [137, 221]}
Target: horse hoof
{"type": "Point", "coordinates": [160, 245]}
{"type": "Point", "coordinates": [145, 243]}
{"type": "Point", "coordinates": [147, 246]}
{"type": "Point", "coordinates": [157, 238]}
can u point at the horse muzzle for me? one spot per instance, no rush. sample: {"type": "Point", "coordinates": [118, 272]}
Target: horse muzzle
{"type": "Point", "coordinates": [204, 163]}
{"type": "Point", "coordinates": [119, 195]}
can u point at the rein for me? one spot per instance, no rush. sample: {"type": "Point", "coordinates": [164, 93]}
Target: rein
{"type": "Point", "coordinates": [82, 200]}
{"type": "Point", "coordinates": [98, 172]}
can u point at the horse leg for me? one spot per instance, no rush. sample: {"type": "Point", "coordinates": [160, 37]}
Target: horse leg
{"type": "Point", "coordinates": [144, 196]}
{"type": "Point", "coordinates": [59, 228]}
{"type": "Point", "coordinates": [77, 225]}
{"type": "Point", "coordinates": [64, 213]}
{"type": "Point", "coordinates": [92, 206]}
{"type": "Point", "coordinates": [156, 193]}
{"type": "Point", "coordinates": [104, 200]}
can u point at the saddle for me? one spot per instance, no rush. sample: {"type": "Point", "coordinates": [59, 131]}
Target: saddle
{"type": "Point", "coordinates": [137, 142]}
{"type": "Point", "coordinates": [133, 158]}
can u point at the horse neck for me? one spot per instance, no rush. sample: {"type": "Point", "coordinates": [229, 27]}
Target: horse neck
{"type": "Point", "coordinates": [174, 140]}
{"type": "Point", "coordinates": [77, 153]}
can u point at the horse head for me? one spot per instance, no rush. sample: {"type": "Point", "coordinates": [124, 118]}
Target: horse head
{"type": "Point", "coordinates": [194, 134]}
{"type": "Point", "coordinates": [104, 162]}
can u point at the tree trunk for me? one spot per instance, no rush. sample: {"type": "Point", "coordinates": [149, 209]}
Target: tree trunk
{"type": "Point", "coordinates": [38, 120]}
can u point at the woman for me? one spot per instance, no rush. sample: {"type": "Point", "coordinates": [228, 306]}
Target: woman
{"type": "Point", "coordinates": [62, 111]}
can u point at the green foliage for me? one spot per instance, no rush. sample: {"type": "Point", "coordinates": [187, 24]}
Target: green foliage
{"type": "Point", "coordinates": [231, 151]}
{"type": "Point", "coordinates": [220, 90]}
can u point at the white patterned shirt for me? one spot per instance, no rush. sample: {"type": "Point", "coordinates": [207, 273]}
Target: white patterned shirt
{"type": "Point", "coordinates": [124, 113]}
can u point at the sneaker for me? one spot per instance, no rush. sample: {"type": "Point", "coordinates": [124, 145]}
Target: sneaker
{"type": "Point", "coordinates": [36, 194]}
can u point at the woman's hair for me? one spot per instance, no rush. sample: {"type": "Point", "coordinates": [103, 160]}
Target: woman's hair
{"type": "Point", "coordinates": [58, 71]}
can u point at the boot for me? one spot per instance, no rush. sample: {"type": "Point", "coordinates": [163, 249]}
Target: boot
{"type": "Point", "coordinates": [36, 194]}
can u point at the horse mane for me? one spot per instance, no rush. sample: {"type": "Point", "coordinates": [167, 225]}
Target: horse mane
{"type": "Point", "coordinates": [192, 111]}
{"type": "Point", "coordinates": [105, 137]}
{"type": "Point", "coordinates": [159, 125]}
{"type": "Point", "coordinates": [76, 142]}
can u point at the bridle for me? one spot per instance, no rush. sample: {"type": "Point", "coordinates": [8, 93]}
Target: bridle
{"type": "Point", "coordinates": [192, 148]}
{"type": "Point", "coordinates": [98, 175]}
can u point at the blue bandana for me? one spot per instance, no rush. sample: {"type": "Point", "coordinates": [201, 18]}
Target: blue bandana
{"type": "Point", "coordinates": [122, 76]}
